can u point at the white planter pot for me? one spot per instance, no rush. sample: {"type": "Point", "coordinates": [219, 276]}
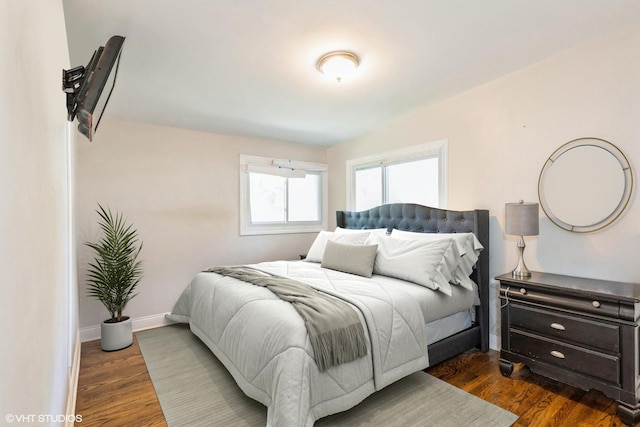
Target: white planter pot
{"type": "Point", "coordinates": [116, 336]}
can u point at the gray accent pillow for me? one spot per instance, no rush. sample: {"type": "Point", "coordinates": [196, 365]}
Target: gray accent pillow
{"type": "Point", "coordinates": [354, 259]}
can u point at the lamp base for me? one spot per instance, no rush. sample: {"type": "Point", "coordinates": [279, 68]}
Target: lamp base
{"type": "Point", "coordinates": [520, 274]}
{"type": "Point", "coordinates": [521, 270]}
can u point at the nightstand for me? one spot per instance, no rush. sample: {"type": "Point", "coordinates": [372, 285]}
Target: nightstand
{"type": "Point", "coordinates": [582, 332]}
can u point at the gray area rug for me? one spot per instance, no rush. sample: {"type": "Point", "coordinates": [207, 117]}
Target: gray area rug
{"type": "Point", "coordinates": [195, 389]}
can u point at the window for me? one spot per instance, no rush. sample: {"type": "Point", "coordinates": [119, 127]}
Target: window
{"type": "Point", "coordinates": [412, 175]}
{"type": "Point", "coordinates": [281, 196]}
{"type": "Point", "coordinates": [280, 200]}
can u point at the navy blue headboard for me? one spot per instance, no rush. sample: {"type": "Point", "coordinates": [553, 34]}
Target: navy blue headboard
{"type": "Point", "coordinates": [412, 217]}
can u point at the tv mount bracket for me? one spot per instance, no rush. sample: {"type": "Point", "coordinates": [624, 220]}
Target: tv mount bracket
{"type": "Point", "coordinates": [71, 83]}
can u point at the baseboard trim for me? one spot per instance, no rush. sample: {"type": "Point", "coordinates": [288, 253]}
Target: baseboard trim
{"type": "Point", "coordinates": [91, 333]}
{"type": "Point", "coordinates": [74, 373]}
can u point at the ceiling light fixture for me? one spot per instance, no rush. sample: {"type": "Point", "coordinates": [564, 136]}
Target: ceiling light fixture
{"type": "Point", "coordinates": [338, 64]}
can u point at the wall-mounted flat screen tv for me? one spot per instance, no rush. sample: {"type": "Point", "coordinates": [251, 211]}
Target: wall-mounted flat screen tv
{"type": "Point", "coordinates": [89, 88]}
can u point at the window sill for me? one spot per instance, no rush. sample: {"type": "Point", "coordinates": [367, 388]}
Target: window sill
{"type": "Point", "coordinates": [270, 229]}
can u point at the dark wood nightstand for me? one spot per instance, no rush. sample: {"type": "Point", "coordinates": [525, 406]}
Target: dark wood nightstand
{"type": "Point", "coordinates": [582, 332]}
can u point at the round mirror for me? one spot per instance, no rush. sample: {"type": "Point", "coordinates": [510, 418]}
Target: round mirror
{"type": "Point", "coordinates": [585, 185]}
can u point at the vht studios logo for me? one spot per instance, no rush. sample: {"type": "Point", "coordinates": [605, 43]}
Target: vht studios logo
{"type": "Point", "coordinates": [42, 418]}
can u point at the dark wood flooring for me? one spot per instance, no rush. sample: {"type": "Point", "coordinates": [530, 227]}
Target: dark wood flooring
{"type": "Point", "coordinates": [114, 389]}
{"type": "Point", "coordinates": [537, 400]}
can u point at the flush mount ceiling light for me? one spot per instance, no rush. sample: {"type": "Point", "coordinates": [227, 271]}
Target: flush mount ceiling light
{"type": "Point", "coordinates": [338, 64]}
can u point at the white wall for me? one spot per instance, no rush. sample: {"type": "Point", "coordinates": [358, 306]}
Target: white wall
{"type": "Point", "coordinates": [38, 298]}
{"type": "Point", "coordinates": [180, 188]}
{"type": "Point", "coordinates": [500, 135]}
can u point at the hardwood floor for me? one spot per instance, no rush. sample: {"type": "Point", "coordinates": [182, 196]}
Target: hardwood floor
{"type": "Point", "coordinates": [114, 389]}
{"type": "Point", "coordinates": [538, 401]}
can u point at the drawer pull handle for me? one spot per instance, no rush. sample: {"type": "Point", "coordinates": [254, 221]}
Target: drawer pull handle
{"type": "Point", "coordinates": [557, 326]}
{"type": "Point", "coordinates": [596, 304]}
{"type": "Point", "coordinates": [557, 354]}
{"type": "Point", "coordinates": [523, 291]}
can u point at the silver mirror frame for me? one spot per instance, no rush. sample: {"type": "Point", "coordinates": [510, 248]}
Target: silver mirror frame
{"type": "Point", "coordinates": [624, 200]}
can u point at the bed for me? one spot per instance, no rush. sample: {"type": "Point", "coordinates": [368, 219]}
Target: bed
{"type": "Point", "coordinates": [263, 342]}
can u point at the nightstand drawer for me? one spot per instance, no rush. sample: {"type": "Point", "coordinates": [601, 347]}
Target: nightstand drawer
{"type": "Point", "coordinates": [589, 332]}
{"type": "Point", "coordinates": [548, 298]}
{"type": "Point", "coordinates": [567, 356]}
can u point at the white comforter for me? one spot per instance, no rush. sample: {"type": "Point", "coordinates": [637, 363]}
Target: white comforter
{"type": "Point", "coordinates": [263, 342]}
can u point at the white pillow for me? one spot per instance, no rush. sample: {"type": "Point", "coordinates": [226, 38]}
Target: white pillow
{"type": "Point", "coordinates": [379, 232]}
{"type": "Point", "coordinates": [467, 243]}
{"type": "Point", "coordinates": [353, 237]}
{"type": "Point", "coordinates": [340, 230]}
{"type": "Point", "coordinates": [316, 251]}
{"type": "Point", "coordinates": [426, 263]}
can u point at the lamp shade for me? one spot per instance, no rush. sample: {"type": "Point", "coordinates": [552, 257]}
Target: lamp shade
{"type": "Point", "coordinates": [521, 219]}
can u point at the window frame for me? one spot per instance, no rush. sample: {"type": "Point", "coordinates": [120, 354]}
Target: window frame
{"type": "Point", "coordinates": [263, 164]}
{"type": "Point", "coordinates": [437, 149]}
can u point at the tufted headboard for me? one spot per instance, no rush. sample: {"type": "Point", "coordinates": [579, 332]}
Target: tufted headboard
{"type": "Point", "coordinates": [423, 219]}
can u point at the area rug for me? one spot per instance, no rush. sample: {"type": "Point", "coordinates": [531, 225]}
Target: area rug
{"type": "Point", "coordinates": [195, 389]}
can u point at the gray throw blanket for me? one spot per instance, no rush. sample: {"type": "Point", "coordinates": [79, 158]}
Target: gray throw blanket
{"type": "Point", "coordinates": [335, 331]}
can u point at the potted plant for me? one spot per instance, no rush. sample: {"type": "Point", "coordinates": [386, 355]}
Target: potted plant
{"type": "Point", "coordinates": [114, 275]}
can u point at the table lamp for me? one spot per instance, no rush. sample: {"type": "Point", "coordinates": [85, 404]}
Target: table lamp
{"type": "Point", "coordinates": [521, 219]}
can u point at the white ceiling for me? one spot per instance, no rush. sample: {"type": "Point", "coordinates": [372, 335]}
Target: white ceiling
{"type": "Point", "coordinates": [248, 67]}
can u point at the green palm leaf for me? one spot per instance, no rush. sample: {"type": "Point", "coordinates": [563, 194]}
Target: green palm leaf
{"type": "Point", "coordinates": [115, 271]}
